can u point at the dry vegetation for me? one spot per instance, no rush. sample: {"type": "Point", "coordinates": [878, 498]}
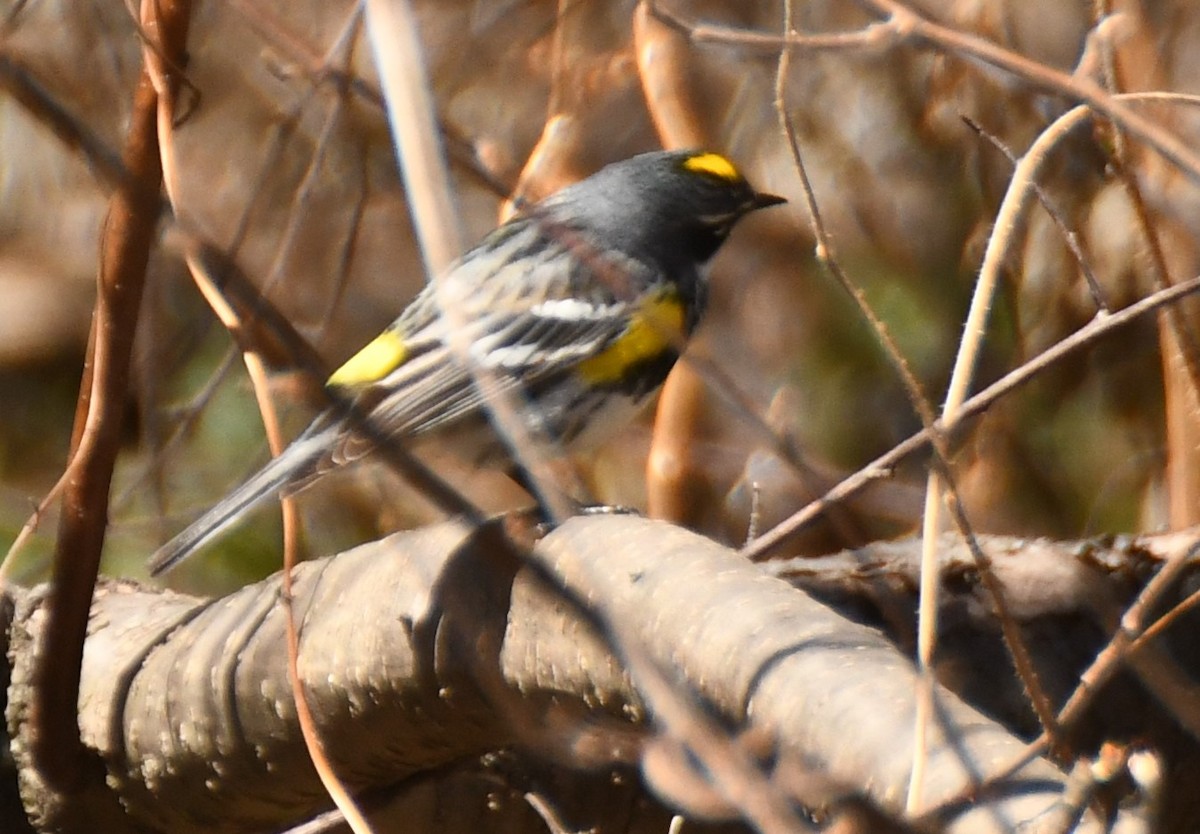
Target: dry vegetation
{"type": "Point", "coordinates": [206, 213]}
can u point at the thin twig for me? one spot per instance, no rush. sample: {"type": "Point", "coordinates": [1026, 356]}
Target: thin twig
{"type": "Point", "coordinates": [942, 472]}
{"type": "Point", "coordinates": [40, 103]}
{"type": "Point", "coordinates": [902, 23]}
{"type": "Point", "coordinates": [308, 60]}
{"type": "Point", "coordinates": [31, 524]}
{"type": "Point", "coordinates": [1096, 329]}
{"type": "Point", "coordinates": [1069, 236]}
{"type": "Point", "coordinates": [878, 36]}
{"type": "Point", "coordinates": [235, 289]}
{"type": "Point", "coordinates": [1111, 659]}
{"type": "Point", "coordinates": [160, 75]}
{"type": "Point", "coordinates": [1177, 333]}
{"type": "Point", "coordinates": [408, 95]}
{"type": "Point", "coordinates": [391, 28]}
{"type": "Point", "coordinates": [1012, 208]}
{"type": "Point", "coordinates": [919, 28]}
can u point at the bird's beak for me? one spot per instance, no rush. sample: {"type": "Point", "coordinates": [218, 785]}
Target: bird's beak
{"type": "Point", "coordinates": [762, 201]}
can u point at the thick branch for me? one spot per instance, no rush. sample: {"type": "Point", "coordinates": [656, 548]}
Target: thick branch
{"type": "Point", "coordinates": [188, 704]}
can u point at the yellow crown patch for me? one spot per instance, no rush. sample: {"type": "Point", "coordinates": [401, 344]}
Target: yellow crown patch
{"type": "Point", "coordinates": [714, 165]}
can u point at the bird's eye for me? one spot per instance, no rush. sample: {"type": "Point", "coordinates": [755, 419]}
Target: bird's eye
{"type": "Point", "coordinates": [719, 224]}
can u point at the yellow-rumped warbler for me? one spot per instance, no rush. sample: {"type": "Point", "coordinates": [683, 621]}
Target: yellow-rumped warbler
{"type": "Point", "coordinates": [580, 304]}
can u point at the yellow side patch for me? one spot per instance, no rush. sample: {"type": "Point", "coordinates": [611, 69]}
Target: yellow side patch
{"type": "Point", "coordinates": [656, 328]}
{"type": "Point", "coordinates": [714, 165]}
{"type": "Point", "coordinates": [380, 357]}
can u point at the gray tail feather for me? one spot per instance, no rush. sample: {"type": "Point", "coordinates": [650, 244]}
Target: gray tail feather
{"type": "Point", "coordinates": [296, 463]}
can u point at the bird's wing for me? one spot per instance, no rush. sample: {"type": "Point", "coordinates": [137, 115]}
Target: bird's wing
{"type": "Point", "coordinates": [504, 351]}
{"type": "Point", "coordinates": [470, 337]}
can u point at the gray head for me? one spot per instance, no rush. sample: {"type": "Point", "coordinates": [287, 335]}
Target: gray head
{"type": "Point", "coordinates": [676, 207]}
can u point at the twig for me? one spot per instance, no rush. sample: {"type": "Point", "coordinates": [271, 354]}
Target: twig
{"type": "Point", "coordinates": [392, 32]}
{"type": "Point", "coordinates": [1099, 327]}
{"type": "Point", "coordinates": [904, 24]}
{"type": "Point", "coordinates": [292, 46]}
{"type": "Point", "coordinates": [1069, 236]}
{"type": "Point", "coordinates": [1012, 208]}
{"type": "Point", "coordinates": [920, 403]}
{"type": "Point", "coordinates": [31, 524]}
{"type": "Point", "coordinates": [1113, 656]}
{"type": "Point", "coordinates": [237, 291]}
{"type": "Point", "coordinates": [549, 814]}
{"type": "Point", "coordinates": [916, 27]}
{"type": "Point", "coordinates": [160, 75]}
{"type": "Point", "coordinates": [1178, 336]}
{"type": "Point", "coordinates": [43, 106]}
{"type": "Point", "coordinates": [878, 35]}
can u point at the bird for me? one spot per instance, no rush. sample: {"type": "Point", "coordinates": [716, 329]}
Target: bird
{"type": "Point", "coordinates": [579, 305]}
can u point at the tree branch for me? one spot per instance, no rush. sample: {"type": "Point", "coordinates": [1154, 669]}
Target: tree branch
{"type": "Point", "coordinates": [186, 700]}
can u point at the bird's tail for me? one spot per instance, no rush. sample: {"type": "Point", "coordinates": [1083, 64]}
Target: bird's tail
{"type": "Point", "coordinates": [292, 468]}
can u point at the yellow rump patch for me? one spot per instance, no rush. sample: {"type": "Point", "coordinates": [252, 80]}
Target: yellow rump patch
{"type": "Point", "coordinates": [656, 328]}
{"type": "Point", "coordinates": [380, 357]}
{"type": "Point", "coordinates": [713, 164]}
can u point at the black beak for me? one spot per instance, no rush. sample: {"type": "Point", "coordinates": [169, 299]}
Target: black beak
{"type": "Point", "coordinates": [762, 201]}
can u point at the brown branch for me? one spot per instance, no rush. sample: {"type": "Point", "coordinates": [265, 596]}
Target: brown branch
{"type": "Point", "coordinates": [129, 234]}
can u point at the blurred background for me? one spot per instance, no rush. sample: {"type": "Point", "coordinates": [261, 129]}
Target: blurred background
{"type": "Point", "coordinates": [287, 166]}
